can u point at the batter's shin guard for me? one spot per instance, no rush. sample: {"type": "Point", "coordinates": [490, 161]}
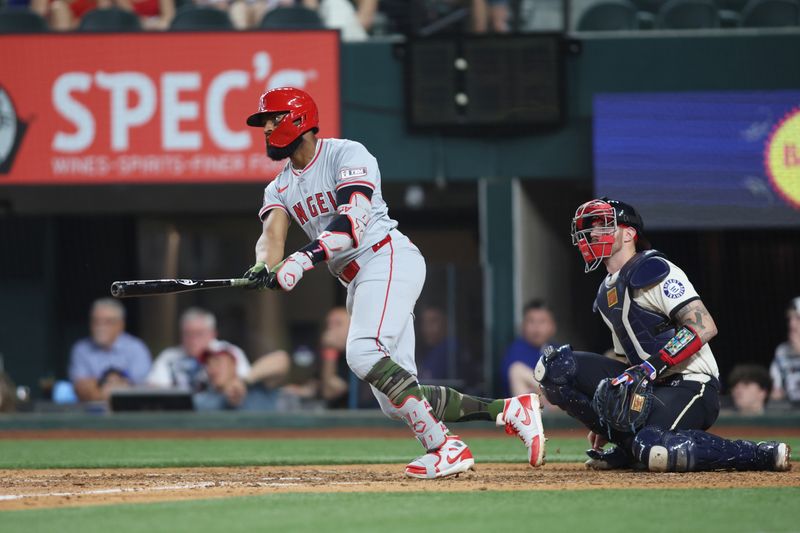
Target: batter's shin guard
{"type": "Point", "coordinates": [693, 450]}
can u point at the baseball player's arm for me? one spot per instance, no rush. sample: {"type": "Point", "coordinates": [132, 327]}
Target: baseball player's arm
{"type": "Point", "coordinates": [354, 207]}
{"type": "Point", "coordinates": [695, 328]}
{"type": "Point", "coordinates": [271, 242]}
{"type": "Point", "coordinates": [269, 248]}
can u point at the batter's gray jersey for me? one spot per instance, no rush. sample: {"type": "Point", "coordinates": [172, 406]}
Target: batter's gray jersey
{"type": "Point", "coordinates": [308, 196]}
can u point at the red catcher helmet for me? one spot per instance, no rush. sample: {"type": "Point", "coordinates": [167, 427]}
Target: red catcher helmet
{"type": "Point", "coordinates": [595, 224]}
{"type": "Point", "coordinates": [302, 114]}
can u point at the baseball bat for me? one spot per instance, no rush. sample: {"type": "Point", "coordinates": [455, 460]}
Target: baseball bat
{"type": "Point", "coordinates": [149, 287]}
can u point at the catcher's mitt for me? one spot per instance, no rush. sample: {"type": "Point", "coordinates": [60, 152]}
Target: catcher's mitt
{"type": "Point", "coordinates": [624, 408]}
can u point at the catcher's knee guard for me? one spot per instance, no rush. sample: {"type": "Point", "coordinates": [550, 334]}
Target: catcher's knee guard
{"type": "Point", "coordinates": [555, 372]}
{"type": "Point", "coordinates": [693, 450]}
{"type": "Point", "coordinates": [556, 366]}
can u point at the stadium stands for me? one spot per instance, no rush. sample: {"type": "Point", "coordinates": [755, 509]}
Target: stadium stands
{"type": "Point", "coordinates": [770, 13]}
{"type": "Point", "coordinates": [191, 17]}
{"type": "Point", "coordinates": [294, 17]}
{"type": "Point", "coordinates": [609, 16]}
{"type": "Point", "coordinates": [110, 19]}
{"type": "Point", "coordinates": [688, 15]}
{"type": "Point", "coordinates": [21, 21]}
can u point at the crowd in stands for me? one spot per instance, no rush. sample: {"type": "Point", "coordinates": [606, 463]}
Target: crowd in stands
{"type": "Point", "coordinates": [218, 375]}
{"type": "Point", "coordinates": [356, 19]}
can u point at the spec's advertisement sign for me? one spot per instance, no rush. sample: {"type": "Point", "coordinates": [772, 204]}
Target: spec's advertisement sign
{"type": "Point", "coordinates": [149, 108]}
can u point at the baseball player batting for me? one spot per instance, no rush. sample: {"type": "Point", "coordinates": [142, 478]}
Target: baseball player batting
{"type": "Point", "coordinates": [656, 405]}
{"type": "Point", "coordinates": [332, 189]}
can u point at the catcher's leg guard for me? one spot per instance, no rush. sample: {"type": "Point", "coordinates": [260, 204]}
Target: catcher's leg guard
{"type": "Point", "coordinates": [556, 372]}
{"type": "Point", "coordinates": [692, 450]}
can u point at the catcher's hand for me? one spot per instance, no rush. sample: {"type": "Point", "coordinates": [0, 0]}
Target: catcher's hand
{"type": "Point", "coordinates": [635, 374]}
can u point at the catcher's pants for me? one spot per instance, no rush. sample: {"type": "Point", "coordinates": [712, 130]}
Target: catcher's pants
{"type": "Point", "coordinates": [679, 403]}
{"type": "Point", "coordinates": [380, 300]}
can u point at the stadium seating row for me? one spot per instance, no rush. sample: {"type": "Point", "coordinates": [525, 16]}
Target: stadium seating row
{"type": "Point", "coordinates": [188, 17]}
{"type": "Point", "coordinates": [616, 15]}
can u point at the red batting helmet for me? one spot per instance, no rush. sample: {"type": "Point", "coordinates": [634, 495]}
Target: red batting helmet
{"type": "Point", "coordinates": [302, 114]}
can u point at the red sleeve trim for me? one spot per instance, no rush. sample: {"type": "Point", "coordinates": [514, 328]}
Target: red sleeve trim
{"type": "Point", "coordinates": [360, 183]}
{"type": "Point", "coordinates": [270, 207]}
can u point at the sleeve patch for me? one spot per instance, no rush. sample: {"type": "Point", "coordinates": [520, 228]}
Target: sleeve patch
{"type": "Point", "coordinates": [351, 173]}
{"type": "Point", "coordinates": [673, 288]}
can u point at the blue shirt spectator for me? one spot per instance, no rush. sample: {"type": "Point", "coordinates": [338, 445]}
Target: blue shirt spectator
{"type": "Point", "coordinates": [109, 358]}
{"type": "Point", "coordinates": [128, 355]}
{"type": "Point", "coordinates": [516, 369]}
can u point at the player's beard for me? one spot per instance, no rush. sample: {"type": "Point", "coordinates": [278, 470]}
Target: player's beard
{"type": "Point", "coordinates": [277, 154]}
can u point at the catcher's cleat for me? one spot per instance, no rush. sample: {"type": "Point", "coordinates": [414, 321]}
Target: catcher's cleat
{"type": "Point", "coordinates": [781, 455]}
{"type": "Point", "coordinates": [522, 416]}
{"type": "Point", "coordinates": [611, 459]}
{"type": "Point", "coordinates": [452, 457]}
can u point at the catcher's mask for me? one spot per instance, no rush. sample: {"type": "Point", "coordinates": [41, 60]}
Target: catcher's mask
{"type": "Point", "coordinates": [301, 114]}
{"type": "Point", "coordinates": [594, 227]}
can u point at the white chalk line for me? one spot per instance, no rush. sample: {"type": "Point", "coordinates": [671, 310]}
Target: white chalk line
{"type": "Point", "coordinates": [185, 486]}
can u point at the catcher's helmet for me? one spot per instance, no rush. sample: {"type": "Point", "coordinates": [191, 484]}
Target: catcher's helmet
{"type": "Point", "coordinates": [302, 114]}
{"type": "Point", "coordinates": [594, 226]}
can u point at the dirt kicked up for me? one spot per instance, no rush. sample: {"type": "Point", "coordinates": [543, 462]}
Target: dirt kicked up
{"type": "Point", "coordinates": [29, 489]}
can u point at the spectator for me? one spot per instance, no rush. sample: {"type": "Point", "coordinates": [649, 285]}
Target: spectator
{"type": "Point", "coordinates": [181, 366]}
{"type": "Point", "coordinates": [153, 14]}
{"type": "Point", "coordinates": [490, 16]}
{"type": "Point", "coordinates": [109, 358]}
{"type": "Point", "coordinates": [244, 14]}
{"type": "Point", "coordinates": [440, 356]}
{"type": "Point", "coordinates": [226, 390]}
{"type": "Point", "coordinates": [8, 394]}
{"type": "Point", "coordinates": [749, 386]}
{"type": "Point", "coordinates": [64, 15]}
{"type": "Point", "coordinates": [785, 367]}
{"type": "Point", "coordinates": [334, 372]}
{"type": "Point", "coordinates": [538, 330]}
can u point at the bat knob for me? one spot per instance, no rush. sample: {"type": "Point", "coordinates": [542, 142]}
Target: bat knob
{"type": "Point", "coordinates": [117, 289]}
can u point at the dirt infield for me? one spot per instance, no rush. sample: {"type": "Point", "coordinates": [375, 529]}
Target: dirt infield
{"type": "Point", "coordinates": [29, 489]}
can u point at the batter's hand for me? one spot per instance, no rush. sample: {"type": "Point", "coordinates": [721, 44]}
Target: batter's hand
{"type": "Point", "coordinates": [635, 374]}
{"type": "Point", "coordinates": [258, 275]}
{"type": "Point", "coordinates": [290, 272]}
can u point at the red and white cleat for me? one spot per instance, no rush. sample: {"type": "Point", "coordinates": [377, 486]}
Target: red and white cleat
{"type": "Point", "coordinates": [452, 457]}
{"type": "Point", "coordinates": [522, 416]}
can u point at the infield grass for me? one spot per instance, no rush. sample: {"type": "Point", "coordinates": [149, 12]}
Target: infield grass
{"type": "Point", "coordinates": [133, 453]}
{"type": "Point", "coordinates": [709, 511]}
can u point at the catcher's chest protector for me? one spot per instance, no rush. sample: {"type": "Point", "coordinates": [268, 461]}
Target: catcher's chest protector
{"type": "Point", "coordinates": [647, 329]}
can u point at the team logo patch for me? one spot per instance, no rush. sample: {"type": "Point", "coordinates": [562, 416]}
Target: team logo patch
{"type": "Point", "coordinates": [350, 173]}
{"type": "Point", "coordinates": [612, 297]}
{"type": "Point", "coordinates": [673, 288]}
{"type": "Point", "coordinates": [637, 403]}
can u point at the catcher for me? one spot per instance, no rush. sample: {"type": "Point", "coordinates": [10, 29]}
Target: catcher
{"type": "Point", "coordinates": [655, 401]}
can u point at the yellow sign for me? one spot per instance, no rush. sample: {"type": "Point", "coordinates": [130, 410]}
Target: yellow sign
{"type": "Point", "coordinates": [782, 158]}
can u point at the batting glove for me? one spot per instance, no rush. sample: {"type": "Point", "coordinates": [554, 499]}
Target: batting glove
{"type": "Point", "coordinates": [258, 275]}
{"type": "Point", "coordinates": [290, 272]}
{"type": "Point", "coordinates": [634, 374]}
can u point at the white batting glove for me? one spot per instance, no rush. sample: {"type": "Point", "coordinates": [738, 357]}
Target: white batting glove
{"type": "Point", "coordinates": [291, 271]}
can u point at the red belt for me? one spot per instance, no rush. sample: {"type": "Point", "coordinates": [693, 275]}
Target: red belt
{"type": "Point", "coordinates": [351, 269]}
